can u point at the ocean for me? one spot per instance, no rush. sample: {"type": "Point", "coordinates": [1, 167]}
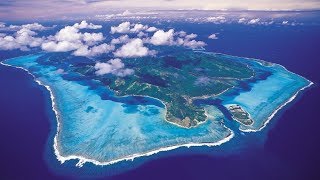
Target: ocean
{"type": "Point", "coordinates": [286, 149]}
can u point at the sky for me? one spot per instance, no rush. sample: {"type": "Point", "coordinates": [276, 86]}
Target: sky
{"type": "Point", "coordinates": [22, 9]}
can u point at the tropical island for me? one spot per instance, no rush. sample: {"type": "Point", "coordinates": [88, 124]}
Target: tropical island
{"type": "Point", "coordinates": [105, 118]}
{"type": "Point", "coordinates": [177, 80]}
{"type": "Point", "coordinates": [240, 115]}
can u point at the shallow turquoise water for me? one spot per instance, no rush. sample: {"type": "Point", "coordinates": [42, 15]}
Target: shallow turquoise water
{"type": "Point", "coordinates": [105, 130]}
{"type": "Point", "coordinates": [268, 95]}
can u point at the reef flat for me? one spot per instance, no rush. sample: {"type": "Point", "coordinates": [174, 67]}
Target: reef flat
{"type": "Point", "coordinates": [107, 119]}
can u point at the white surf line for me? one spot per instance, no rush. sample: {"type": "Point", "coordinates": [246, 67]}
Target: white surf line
{"type": "Point", "coordinates": [279, 108]}
{"type": "Point", "coordinates": [83, 160]}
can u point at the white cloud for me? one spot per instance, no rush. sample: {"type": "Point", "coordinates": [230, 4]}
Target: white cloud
{"type": "Point", "coordinates": [85, 25]}
{"type": "Point", "coordinates": [242, 20]}
{"type": "Point", "coordinates": [141, 34]}
{"type": "Point", "coordinates": [181, 33]}
{"type": "Point", "coordinates": [113, 66]}
{"type": "Point", "coordinates": [2, 24]}
{"type": "Point", "coordinates": [217, 19]}
{"type": "Point", "coordinates": [68, 33]}
{"type": "Point", "coordinates": [127, 27]}
{"type": "Point", "coordinates": [61, 46]}
{"type": "Point", "coordinates": [35, 26]}
{"type": "Point", "coordinates": [151, 29]}
{"type": "Point", "coordinates": [254, 21]}
{"type": "Point", "coordinates": [126, 13]}
{"type": "Point", "coordinates": [138, 27]}
{"type": "Point", "coordinates": [120, 40]}
{"type": "Point", "coordinates": [23, 39]}
{"type": "Point", "coordinates": [9, 43]}
{"type": "Point", "coordinates": [134, 48]}
{"type": "Point", "coordinates": [121, 28]}
{"type": "Point", "coordinates": [70, 38]}
{"type": "Point", "coordinates": [162, 38]}
{"type": "Point", "coordinates": [92, 38]}
{"type": "Point", "coordinates": [191, 36]}
{"type": "Point", "coordinates": [194, 44]}
{"type": "Point", "coordinates": [213, 36]}
{"type": "Point", "coordinates": [93, 51]}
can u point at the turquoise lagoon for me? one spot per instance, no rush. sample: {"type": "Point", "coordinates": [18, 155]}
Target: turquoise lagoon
{"type": "Point", "coordinates": [103, 132]}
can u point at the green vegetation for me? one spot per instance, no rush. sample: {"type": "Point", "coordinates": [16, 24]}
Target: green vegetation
{"type": "Point", "coordinates": [177, 80]}
{"type": "Point", "coordinates": [240, 115]}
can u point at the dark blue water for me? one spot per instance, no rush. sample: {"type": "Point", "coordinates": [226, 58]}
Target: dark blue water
{"type": "Point", "coordinates": [289, 149]}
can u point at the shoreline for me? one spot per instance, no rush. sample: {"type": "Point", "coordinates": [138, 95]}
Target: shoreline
{"type": "Point", "coordinates": [83, 160]}
{"type": "Point", "coordinates": [278, 109]}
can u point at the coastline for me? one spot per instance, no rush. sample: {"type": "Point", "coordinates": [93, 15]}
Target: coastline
{"type": "Point", "coordinates": [83, 160]}
{"type": "Point", "coordinates": [278, 109]}
{"type": "Point", "coordinates": [260, 61]}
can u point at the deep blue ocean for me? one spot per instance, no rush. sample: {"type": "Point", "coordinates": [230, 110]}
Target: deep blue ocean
{"type": "Point", "coordinates": [289, 148]}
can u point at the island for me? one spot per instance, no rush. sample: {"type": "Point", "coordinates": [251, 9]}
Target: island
{"type": "Point", "coordinates": [177, 80]}
{"type": "Point", "coordinates": [240, 115]}
{"type": "Point", "coordinates": [179, 98]}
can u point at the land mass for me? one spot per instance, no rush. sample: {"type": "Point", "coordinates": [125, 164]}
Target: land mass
{"type": "Point", "coordinates": [240, 115]}
{"type": "Point", "coordinates": [177, 80]}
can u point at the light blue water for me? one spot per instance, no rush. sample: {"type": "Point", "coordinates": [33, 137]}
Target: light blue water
{"type": "Point", "coordinates": [105, 130]}
{"type": "Point", "coordinates": [268, 95]}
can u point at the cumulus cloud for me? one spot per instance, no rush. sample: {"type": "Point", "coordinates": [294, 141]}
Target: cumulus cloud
{"type": "Point", "coordinates": [242, 20]}
{"type": "Point", "coordinates": [181, 33]}
{"type": "Point", "coordinates": [127, 27]}
{"type": "Point", "coordinates": [70, 38]}
{"type": "Point", "coordinates": [85, 25]}
{"type": "Point", "coordinates": [121, 28]}
{"type": "Point", "coordinates": [162, 38]}
{"type": "Point", "coordinates": [134, 48]}
{"type": "Point", "coordinates": [2, 24]}
{"type": "Point", "coordinates": [217, 19]}
{"type": "Point", "coordinates": [191, 36]}
{"type": "Point", "coordinates": [113, 66]}
{"type": "Point", "coordinates": [152, 29]}
{"type": "Point", "coordinates": [33, 27]}
{"type": "Point", "coordinates": [23, 39]}
{"type": "Point", "coordinates": [61, 46]}
{"type": "Point", "coordinates": [138, 27]}
{"type": "Point", "coordinates": [213, 36]}
{"type": "Point", "coordinates": [68, 33]}
{"type": "Point", "coordinates": [120, 40]}
{"type": "Point", "coordinates": [194, 44]}
{"type": "Point", "coordinates": [9, 43]}
{"type": "Point", "coordinates": [93, 51]}
{"type": "Point", "coordinates": [254, 21]}
{"type": "Point", "coordinates": [169, 38]}
{"type": "Point", "coordinates": [142, 34]}
{"type": "Point", "coordinates": [92, 38]}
